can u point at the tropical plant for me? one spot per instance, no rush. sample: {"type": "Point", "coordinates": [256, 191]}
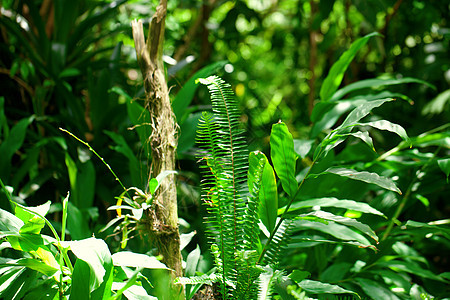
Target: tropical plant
{"type": "Point", "coordinates": [38, 266]}
{"type": "Point", "coordinates": [250, 223]}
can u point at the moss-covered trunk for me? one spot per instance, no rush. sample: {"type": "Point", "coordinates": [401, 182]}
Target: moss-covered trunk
{"type": "Point", "coordinates": [163, 217]}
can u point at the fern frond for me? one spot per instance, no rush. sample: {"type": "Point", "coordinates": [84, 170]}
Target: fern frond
{"type": "Point", "coordinates": [203, 279]}
{"type": "Point", "coordinates": [279, 243]}
{"type": "Point", "coordinates": [224, 168]}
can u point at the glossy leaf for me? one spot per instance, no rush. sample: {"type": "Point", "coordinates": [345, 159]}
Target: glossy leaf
{"type": "Point", "coordinates": [363, 228]}
{"type": "Point", "coordinates": [317, 287]}
{"type": "Point", "coordinates": [268, 196]}
{"type": "Point", "coordinates": [333, 202]}
{"type": "Point", "coordinates": [444, 164]}
{"type": "Point", "coordinates": [361, 111]}
{"type": "Point", "coordinates": [336, 74]}
{"type": "Point", "coordinates": [136, 260]}
{"type": "Point", "coordinates": [373, 178]}
{"type": "Point", "coordinates": [389, 126]}
{"type": "Point", "coordinates": [283, 157]}
{"type": "Point", "coordinates": [338, 231]}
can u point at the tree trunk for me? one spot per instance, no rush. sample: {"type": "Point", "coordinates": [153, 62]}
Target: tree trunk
{"type": "Point", "coordinates": [162, 218]}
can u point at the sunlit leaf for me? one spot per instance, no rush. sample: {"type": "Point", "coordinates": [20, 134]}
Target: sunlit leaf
{"type": "Point", "coordinates": [333, 202]}
{"type": "Point", "coordinates": [317, 287]}
{"type": "Point", "coordinates": [283, 157]}
{"type": "Point", "coordinates": [136, 260]}
{"type": "Point", "coordinates": [268, 196]}
{"type": "Point", "coordinates": [373, 178]}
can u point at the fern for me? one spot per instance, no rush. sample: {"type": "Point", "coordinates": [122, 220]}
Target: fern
{"type": "Point", "coordinates": [230, 191]}
{"type": "Point", "coordinates": [225, 156]}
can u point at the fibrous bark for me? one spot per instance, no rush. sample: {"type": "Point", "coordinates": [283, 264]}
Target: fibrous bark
{"type": "Point", "coordinates": [162, 218]}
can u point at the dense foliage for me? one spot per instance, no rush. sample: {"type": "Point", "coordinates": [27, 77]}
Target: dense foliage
{"type": "Point", "coordinates": [372, 223]}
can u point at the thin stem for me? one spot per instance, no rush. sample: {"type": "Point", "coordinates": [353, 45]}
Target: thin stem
{"type": "Point", "coordinates": [282, 217]}
{"type": "Point", "coordinates": [101, 158]}
{"type": "Point", "coordinates": [405, 198]}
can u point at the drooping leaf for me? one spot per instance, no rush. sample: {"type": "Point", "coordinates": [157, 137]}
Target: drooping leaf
{"type": "Point", "coordinates": [338, 231]}
{"type": "Point", "coordinates": [283, 157]}
{"type": "Point", "coordinates": [336, 74]}
{"type": "Point", "coordinates": [345, 221]}
{"type": "Point", "coordinates": [361, 111]}
{"type": "Point", "coordinates": [444, 164]}
{"type": "Point", "coordinates": [389, 126]}
{"type": "Point", "coordinates": [333, 202]}
{"type": "Point", "coordinates": [368, 177]}
{"type": "Point", "coordinates": [9, 222]}
{"type": "Point", "coordinates": [372, 83]}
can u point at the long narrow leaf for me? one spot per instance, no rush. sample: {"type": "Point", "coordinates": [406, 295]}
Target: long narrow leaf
{"type": "Point", "coordinates": [336, 74]}
{"type": "Point", "coordinates": [283, 157]}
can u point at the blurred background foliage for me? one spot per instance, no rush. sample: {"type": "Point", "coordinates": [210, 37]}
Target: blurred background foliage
{"type": "Point", "coordinates": [72, 64]}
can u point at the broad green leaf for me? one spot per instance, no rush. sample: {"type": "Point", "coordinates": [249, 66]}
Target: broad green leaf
{"type": "Point", "coordinates": [268, 196]}
{"type": "Point", "coordinates": [159, 178]}
{"type": "Point", "coordinates": [33, 222]}
{"type": "Point", "coordinates": [12, 143]}
{"type": "Point", "coordinates": [298, 275]}
{"type": "Point", "coordinates": [136, 260]}
{"type": "Point", "coordinates": [361, 111]}
{"type": "Point", "coordinates": [36, 265]}
{"type": "Point", "coordinates": [333, 202]}
{"type": "Point", "coordinates": [284, 157]}
{"type": "Point", "coordinates": [9, 222]}
{"type": "Point", "coordinates": [336, 74]}
{"type": "Point", "coordinates": [303, 147]}
{"type": "Point", "coordinates": [186, 238]}
{"type": "Point", "coordinates": [345, 221]}
{"type": "Point", "coordinates": [96, 254]}
{"type": "Point", "coordinates": [375, 290]}
{"type": "Point", "coordinates": [373, 83]}
{"type": "Point", "coordinates": [338, 231]}
{"type": "Point", "coordinates": [82, 280]}
{"type": "Point", "coordinates": [444, 164]}
{"type": "Point", "coordinates": [386, 125]}
{"type": "Point", "coordinates": [365, 137]}
{"type": "Point", "coordinates": [184, 97]}
{"type": "Point", "coordinates": [373, 178]}
{"type": "Point", "coordinates": [317, 287]}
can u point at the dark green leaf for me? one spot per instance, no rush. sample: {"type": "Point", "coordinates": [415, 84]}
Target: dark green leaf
{"type": "Point", "coordinates": [336, 74]}
{"type": "Point", "coordinates": [184, 97]}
